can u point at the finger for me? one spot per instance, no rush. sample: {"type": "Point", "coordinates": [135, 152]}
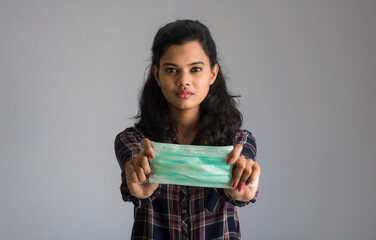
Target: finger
{"type": "Point", "coordinates": [139, 170]}
{"type": "Point", "coordinates": [143, 162]}
{"type": "Point", "coordinates": [131, 173]}
{"type": "Point", "coordinates": [238, 169]}
{"type": "Point", "coordinates": [254, 177]}
{"type": "Point", "coordinates": [245, 176]}
{"type": "Point", "coordinates": [250, 182]}
{"type": "Point", "coordinates": [148, 149]}
{"type": "Point", "coordinates": [235, 153]}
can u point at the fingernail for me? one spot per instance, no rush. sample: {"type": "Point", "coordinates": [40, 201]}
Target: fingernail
{"type": "Point", "coordinates": [151, 155]}
{"type": "Point", "coordinates": [240, 187]}
{"type": "Point", "coordinates": [247, 183]}
{"type": "Point", "coordinates": [229, 161]}
{"type": "Point", "coordinates": [234, 184]}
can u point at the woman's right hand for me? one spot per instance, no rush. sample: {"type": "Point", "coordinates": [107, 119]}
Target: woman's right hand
{"type": "Point", "coordinates": [137, 172]}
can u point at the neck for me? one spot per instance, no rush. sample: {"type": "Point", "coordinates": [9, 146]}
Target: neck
{"type": "Point", "coordinates": [186, 123]}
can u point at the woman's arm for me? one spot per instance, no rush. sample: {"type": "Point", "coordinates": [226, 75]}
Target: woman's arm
{"type": "Point", "coordinates": [246, 172]}
{"type": "Point", "coordinates": [128, 147]}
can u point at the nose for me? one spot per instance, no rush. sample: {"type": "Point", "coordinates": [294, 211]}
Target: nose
{"type": "Point", "coordinates": [183, 79]}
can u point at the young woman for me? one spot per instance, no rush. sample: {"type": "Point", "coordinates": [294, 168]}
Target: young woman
{"type": "Point", "coordinates": [185, 101]}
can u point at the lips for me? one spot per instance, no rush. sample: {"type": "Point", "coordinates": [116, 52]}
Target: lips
{"type": "Point", "coordinates": [183, 94]}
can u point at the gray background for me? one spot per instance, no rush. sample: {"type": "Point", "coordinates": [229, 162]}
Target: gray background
{"type": "Point", "coordinates": [70, 73]}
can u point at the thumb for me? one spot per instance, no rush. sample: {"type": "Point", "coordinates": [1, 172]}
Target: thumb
{"type": "Point", "coordinates": [235, 153]}
{"type": "Point", "coordinates": [148, 149]}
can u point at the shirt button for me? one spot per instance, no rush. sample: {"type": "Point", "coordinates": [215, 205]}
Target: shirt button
{"type": "Point", "coordinates": [184, 211]}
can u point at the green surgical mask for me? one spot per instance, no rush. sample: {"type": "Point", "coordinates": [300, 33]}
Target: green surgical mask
{"type": "Point", "coordinates": [201, 166]}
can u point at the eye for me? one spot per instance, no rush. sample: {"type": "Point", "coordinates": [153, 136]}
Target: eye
{"type": "Point", "coordinates": [170, 70]}
{"type": "Point", "coordinates": [196, 69]}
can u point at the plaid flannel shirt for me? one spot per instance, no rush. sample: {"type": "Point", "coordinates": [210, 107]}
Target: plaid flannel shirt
{"type": "Point", "coordinates": [181, 212]}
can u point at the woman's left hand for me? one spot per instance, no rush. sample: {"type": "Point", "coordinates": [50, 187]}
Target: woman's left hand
{"type": "Point", "coordinates": [245, 176]}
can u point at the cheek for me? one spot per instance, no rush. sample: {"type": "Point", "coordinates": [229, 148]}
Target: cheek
{"type": "Point", "coordinates": [165, 91]}
{"type": "Point", "coordinates": [203, 80]}
{"type": "Point", "coordinates": [203, 85]}
{"type": "Point", "coordinates": [166, 84]}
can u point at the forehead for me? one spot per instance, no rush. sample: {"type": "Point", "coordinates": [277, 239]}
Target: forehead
{"type": "Point", "coordinates": [189, 52]}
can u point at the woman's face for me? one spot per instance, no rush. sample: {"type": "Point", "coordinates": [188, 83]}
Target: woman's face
{"type": "Point", "coordinates": [185, 76]}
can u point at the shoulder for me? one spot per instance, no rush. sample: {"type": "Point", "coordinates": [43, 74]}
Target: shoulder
{"type": "Point", "coordinates": [247, 140]}
{"type": "Point", "coordinates": [242, 136]}
{"type": "Point", "coordinates": [130, 133]}
{"type": "Point", "coordinates": [129, 138]}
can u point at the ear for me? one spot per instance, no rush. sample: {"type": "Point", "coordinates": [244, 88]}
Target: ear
{"type": "Point", "coordinates": [155, 71]}
{"type": "Point", "coordinates": [214, 72]}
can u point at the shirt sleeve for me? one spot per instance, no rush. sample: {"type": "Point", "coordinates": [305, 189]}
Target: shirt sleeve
{"type": "Point", "coordinates": [248, 142]}
{"type": "Point", "coordinates": [127, 144]}
{"type": "Point", "coordinates": [245, 138]}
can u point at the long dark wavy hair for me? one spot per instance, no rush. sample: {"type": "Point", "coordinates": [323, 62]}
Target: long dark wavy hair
{"type": "Point", "coordinates": [219, 117]}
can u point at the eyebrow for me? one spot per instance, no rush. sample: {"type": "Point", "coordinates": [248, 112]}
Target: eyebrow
{"type": "Point", "coordinates": [175, 65]}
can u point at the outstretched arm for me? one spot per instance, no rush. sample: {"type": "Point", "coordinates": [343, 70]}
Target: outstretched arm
{"type": "Point", "coordinates": [245, 176]}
